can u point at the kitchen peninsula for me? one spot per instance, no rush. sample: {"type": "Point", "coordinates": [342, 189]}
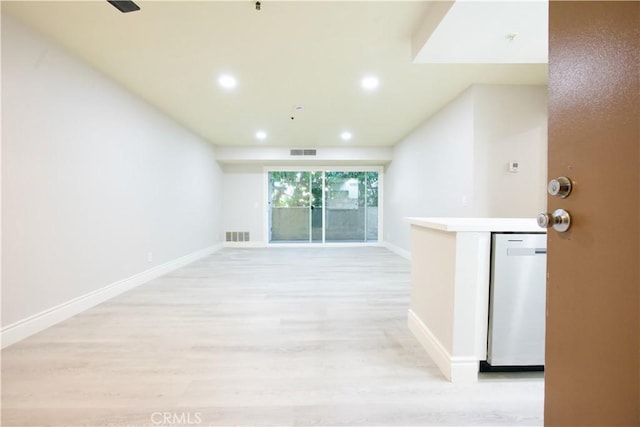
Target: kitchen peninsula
{"type": "Point", "coordinates": [450, 274]}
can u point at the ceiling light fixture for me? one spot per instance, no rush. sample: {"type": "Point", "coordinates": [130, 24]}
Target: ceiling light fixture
{"type": "Point", "coordinates": [227, 81]}
{"type": "Point", "coordinates": [370, 82]}
{"type": "Point", "coordinates": [261, 135]}
{"type": "Point", "coordinates": [346, 135]}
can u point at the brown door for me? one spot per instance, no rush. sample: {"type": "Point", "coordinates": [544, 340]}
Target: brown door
{"type": "Point", "coordinates": [592, 374]}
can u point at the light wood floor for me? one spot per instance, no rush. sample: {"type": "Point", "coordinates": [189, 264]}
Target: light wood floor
{"type": "Point", "coordinates": [274, 336]}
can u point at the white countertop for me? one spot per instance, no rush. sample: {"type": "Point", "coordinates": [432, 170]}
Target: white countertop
{"type": "Point", "coordinates": [528, 225]}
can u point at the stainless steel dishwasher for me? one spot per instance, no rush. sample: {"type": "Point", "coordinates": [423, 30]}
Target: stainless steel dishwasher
{"type": "Point", "coordinates": [517, 300]}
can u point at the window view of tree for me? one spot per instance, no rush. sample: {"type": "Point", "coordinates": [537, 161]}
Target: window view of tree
{"type": "Point", "coordinates": [293, 189]}
{"type": "Point", "coordinates": [371, 183]}
{"type": "Point", "coordinates": [290, 189]}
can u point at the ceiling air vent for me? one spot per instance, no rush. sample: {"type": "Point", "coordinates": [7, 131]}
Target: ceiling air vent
{"type": "Point", "coordinates": [300, 152]}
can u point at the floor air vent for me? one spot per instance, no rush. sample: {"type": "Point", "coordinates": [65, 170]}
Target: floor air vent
{"type": "Point", "coordinates": [301, 152]}
{"type": "Point", "coordinates": [237, 236]}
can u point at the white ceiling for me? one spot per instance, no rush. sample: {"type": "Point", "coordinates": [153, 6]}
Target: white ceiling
{"type": "Point", "coordinates": [310, 53]}
{"type": "Point", "coordinates": [489, 32]}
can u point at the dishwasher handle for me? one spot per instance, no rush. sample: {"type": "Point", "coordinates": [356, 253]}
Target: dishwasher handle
{"type": "Point", "coordinates": [526, 251]}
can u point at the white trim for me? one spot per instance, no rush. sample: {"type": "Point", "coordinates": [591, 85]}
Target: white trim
{"type": "Point", "coordinates": [482, 278]}
{"type": "Point", "coordinates": [455, 369]}
{"type": "Point", "coordinates": [303, 245]}
{"type": "Point", "coordinates": [464, 369]}
{"type": "Point", "coordinates": [251, 244]}
{"type": "Point", "coordinates": [24, 328]}
{"type": "Point", "coordinates": [324, 211]}
{"type": "Point", "coordinates": [381, 173]}
{"type": "Point", "coordinates": [434, 348]}
{"type": "Point", "coordinates": [276, 245]}
{"type": "Point", "coordinates": [397, 250]}
{"type": "Point", "coordinates": [266, 205]}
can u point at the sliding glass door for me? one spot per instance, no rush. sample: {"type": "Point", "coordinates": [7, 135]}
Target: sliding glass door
{"type": "Point", "coordinates": [323, 206]}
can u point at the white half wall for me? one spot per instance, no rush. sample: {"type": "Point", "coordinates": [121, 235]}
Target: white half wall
{"type": "Point", "coordinates": [97, 186]}
{"type": "Point", "coordinates": [456, 163]}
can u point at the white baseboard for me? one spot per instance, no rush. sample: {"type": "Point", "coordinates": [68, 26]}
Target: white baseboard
{"type": "Point", "coordinates": [455, 369]}
{"type": "Point", "coordinates": [398, 250]}
{"type": "Point", "coordinates": [244, 244]}
{"type": "Point", "coordinates": [258, 244]}
{"type": "Point", "coordinates": [305, 245]}
{"type": "Point", "coordinates": [24, 328]}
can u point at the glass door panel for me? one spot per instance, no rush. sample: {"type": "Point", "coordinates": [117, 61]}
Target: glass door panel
{"type": "Point", "coordinates": [317, 212]}
{"type": "Point", "coordinates": [345, 219]}
{"type": "Point", "coordinates": [290, 213]}
{"type": "Point", "coordinates": [371, 206]}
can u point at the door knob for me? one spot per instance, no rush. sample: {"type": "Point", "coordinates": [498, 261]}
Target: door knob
{"type": "Point", "coordinates": [560, 220]}
{"type": "Point", "coordinates": [560, 187]}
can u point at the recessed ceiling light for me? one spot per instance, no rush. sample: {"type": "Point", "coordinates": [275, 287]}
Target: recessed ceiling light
{"type": "Point", "coordinates": [261, 135]}
{"type": "Point", "coordinates": [227, 81]}
{"type": "Point", "coordinates": [370, 82]}
{"type": "Point", "coordinates": [346, 135]}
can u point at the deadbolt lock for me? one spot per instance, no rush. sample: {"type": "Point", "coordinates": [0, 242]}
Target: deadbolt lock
{"type": "Point", "coordinates": [560, 187]}
{"type": "Point", "coordinates": [560, 220]}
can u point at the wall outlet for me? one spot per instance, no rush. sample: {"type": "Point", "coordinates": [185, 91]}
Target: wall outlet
{"type": "Point", "coordinates": [150, 257]}
{"type": "Point", "coordinates": [514, 167]}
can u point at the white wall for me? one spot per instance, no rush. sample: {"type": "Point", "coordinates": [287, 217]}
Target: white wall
{"type": "Point", "coordinates": [243, 200]}
{"type": "Point", "coordinates": [431, 173]}
{"type": "Point", "coordinates": [279, 156]}
{"type": "Point", "coordinates": [93, 179]}
{"type": "Point", "coordinates": [510, 124]}
{"type": "Point", "coordinates": [245, 206]}
{"type": "Point", "coordinates": [455, 163]}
